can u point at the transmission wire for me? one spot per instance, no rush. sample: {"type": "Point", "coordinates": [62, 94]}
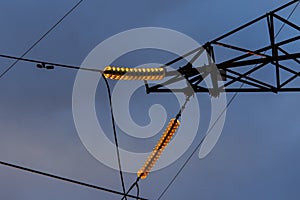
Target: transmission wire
{"type": "Point", "coordinates": [115, 134]}
{"type": "Point", "coordinates": [40, 39]}
{"type": "Point", "coordinates": [51, 63]}
{"type": "Point", "coordinates": [63, 178]}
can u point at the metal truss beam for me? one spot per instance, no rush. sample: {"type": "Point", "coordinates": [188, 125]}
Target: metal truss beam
{"type": "Point", "coordinates": [229, 71]}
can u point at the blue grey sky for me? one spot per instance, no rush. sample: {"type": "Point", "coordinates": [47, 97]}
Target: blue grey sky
{"type": "Point", "coordinates": [257, 156]}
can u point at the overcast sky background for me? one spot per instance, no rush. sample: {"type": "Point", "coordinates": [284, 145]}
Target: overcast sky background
{"type": "Point", "coordinates": [257, 156]}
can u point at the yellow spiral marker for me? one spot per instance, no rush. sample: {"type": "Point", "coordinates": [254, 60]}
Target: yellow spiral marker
{"type": "Point", "coordinates": [159, 148]}
{"type": "Point", "coordinates": [124, 73]}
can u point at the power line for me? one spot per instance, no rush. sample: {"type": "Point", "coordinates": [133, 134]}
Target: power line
{"type": "Point", "coordinates": [137, 191]}
{"type": "Point", "coordinates": [131, 187]}
{"type": "Point", "coordinates": [115, 134]}
{"type": "Point", "coordinates": [109, 95]}
{"type": "Point", "coordinates": [289, 16]}
{"type": "Point", "coordinates": [64, 179]}
{"type": "Point", "coordinates": [221, 114]}
{"type": "Point", "coordinates": [43, 36]}
{"type": "Point", "coordinates": [65, 66]}
{"type": "Point", "coordinates": [50, 63]}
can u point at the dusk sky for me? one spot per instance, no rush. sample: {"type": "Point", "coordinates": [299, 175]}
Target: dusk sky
{"type": "Point", "coordinates": [256, 157]}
